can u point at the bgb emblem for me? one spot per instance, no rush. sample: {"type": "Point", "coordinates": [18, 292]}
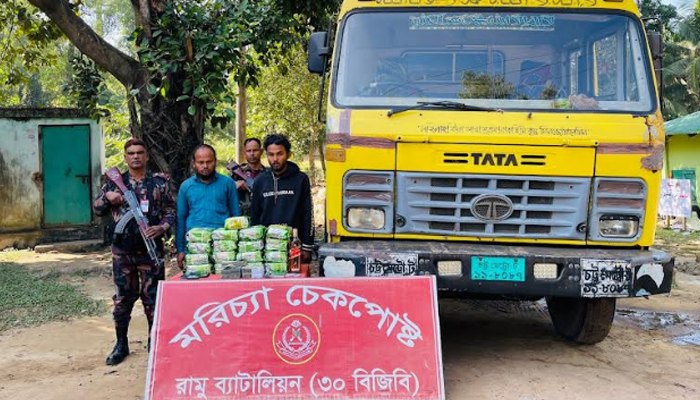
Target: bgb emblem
{"type": "Point", "coordinates": [296, 339]}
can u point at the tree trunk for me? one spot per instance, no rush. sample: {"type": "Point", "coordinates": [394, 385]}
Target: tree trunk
{"type": "Point", "coordinates": [312, 158]}
{"type": "Point", "coordinates": [322, 154]}
{"type": "Point", "coordinates": [241, 121]}
{"type": "Point", "coordinates": [117, 63]}
{"type": "Point", "coordinates": [170, 133]}
{"type": "Point", "coordinates": [167, 128]}
{"type": "Point", "coordinates": [241, 116]}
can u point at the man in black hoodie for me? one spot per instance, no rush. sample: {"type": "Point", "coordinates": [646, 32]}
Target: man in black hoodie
{"type": "Point", "coordinates": [282, 194]}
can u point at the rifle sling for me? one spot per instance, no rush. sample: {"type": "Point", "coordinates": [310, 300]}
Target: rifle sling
{"type": "Point", "coordinates": [150, 184]}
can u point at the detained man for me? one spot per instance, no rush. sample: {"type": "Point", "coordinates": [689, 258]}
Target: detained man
{"type": "Point", "coordinates": [282, 194]}
{"type": "Point", "coordinates": [205, 199]}
{"type": "Point", "coordinates": [252, 169]}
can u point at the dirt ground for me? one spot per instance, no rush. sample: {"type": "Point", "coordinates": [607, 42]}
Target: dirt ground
{"type": "Point", "coordinates": [492, 350]}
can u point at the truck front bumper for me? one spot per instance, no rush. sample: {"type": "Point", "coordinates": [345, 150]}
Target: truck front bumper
{"type": "Point", "coordinates": [518, 271]}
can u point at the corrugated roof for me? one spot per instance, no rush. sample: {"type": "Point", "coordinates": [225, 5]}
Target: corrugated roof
{"type": "Point", "coordinates": [687, 125]}
{"type": "Point", "coordinates": [30, 113]}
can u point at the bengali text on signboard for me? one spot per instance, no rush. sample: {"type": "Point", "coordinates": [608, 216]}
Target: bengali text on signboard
{"type": "Point", "coordinates": [358, 338]}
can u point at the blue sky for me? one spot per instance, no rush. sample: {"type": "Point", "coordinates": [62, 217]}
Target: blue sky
{"type": "Point", "coordinates": [681, 5]}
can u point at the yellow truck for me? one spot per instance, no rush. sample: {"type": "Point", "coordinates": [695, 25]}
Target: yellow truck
{"type": "Point", "coordinates": [511, 148]}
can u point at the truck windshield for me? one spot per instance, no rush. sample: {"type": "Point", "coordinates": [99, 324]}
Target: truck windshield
{"type": "Point", "coordinates": [505, 60]}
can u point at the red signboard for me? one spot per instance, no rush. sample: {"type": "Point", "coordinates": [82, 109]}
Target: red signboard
{"type": "Point", "coordinates": [359, 338]}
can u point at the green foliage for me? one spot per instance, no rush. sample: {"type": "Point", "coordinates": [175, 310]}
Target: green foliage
{"type": "Point", "coordinates": [111, 19]}
{"type": "Point", "coordinates": [72, 80]}
{"type": "Point", "coordinates": [662, 17]}
{"type": "Point", "coordinates": [86, 83]}
{"type": "Point", "coordinates": [286, 101]}
{"type": "Point", "coordinates": [116, 133]}
{"type": "Point", "coordinates": [26, 39]}
{"type": "Point", "coordinates": [199, 51]}
{"type": "Point", "coordinates": [225, 150]}
{"type": "Point", "coordinates": [484, 86]}
{"type": "Point", "coordinates": [669, 237]}
{"type": "Point", "coordinates": [189, 56]}
{"type": "Point", "coordinates": [33, 94]}
{"type": "Point", "coordinates": [681, 72]}
{"type": "Point", "coordinates": [28, 299]}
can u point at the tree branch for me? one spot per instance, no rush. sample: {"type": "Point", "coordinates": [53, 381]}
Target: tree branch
{"type": "Point", "coordinates": [122, 66]}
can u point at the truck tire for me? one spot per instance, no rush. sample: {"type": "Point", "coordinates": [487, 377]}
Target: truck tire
{"type": "Point", "coordinates": [582, 321]}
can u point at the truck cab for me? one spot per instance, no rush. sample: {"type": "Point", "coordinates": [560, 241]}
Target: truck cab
{"type": "Point", "coordinates": [511, 148]}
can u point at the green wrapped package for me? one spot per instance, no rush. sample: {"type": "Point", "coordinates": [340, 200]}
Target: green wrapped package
{"type": "Point", "coordinates": [235, 223]}
{"type": "Point", "coordinates": [199, 235]}
{"type": "Point", "coordinates": [198, 270]}
{"type": "Point", "coordinates": [194, 259]}
{"type": "Point", "coordinates": [255, 256]}
{"type": "Point", "coordinates": [224, 234]}
{"type": "Point", "coordinates": [276, 257]}
{"type": "Point", "coordinates": [253, 233]}
{"type": "Point", "coordinates": [223, 246]}
{"type": "Point", "coordinates": [276, 244]}
{"type": "Point", "coordinates": [282, 232]}
{"type": "Point", "coordinates": [249, 247]}
{"type": "Point", "coordinates": [225, 256]}
{"type": "Point", "coordinates": [276, 268]}
{"type": "Point", "coordinates": [198, 248]}
{"type": "Point", "coordinates": [235, 263]}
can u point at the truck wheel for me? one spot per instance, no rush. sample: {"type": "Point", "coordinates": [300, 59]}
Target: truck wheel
{"type": "Point", "coordinates": [583, 321]}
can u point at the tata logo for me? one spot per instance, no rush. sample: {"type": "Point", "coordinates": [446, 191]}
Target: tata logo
{"type": "Point", "coordinates": [495, 159]}
{"type": "Point", "coordinates": [492, 207]}
{"type": "Point", "coordinates": [485, 159]}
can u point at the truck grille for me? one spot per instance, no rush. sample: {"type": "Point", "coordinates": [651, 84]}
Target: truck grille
{"type": "Point", "coordinates": [444, 204]}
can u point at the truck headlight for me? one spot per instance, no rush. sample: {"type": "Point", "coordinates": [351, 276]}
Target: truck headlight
{"type": "Point", "coordinates": [366, 218]}
{"type": "Point", "coordinates": [618, 226]}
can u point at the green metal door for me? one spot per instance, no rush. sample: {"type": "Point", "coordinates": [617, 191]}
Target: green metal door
{"type": "Point", "coordinates": [66, 167]}
{"type": "Point", "coordinates": [688, 174]}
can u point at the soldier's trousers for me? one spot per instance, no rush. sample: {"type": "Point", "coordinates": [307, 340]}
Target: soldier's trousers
{"type": "Point", "coordinates": [135, 276]}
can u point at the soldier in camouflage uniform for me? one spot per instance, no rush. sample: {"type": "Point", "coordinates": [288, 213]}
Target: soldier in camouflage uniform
{"type": "Point", "coordinates": [254, 168]}
{"type": "Point", "coordinates": [135, 275]}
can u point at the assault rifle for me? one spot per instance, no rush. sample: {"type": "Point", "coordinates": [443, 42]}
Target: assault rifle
{"type": "Point", "coordinates": [134, 212]}
{"type": "Point", "coordinates": [236, 169]}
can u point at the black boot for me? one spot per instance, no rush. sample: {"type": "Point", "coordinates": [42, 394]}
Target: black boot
{"type": "Point", "coordinates": [121, 349]}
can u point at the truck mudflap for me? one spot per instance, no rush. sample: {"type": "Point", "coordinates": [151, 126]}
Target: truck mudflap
{"type": "Point", "coordinates": [519, 271]}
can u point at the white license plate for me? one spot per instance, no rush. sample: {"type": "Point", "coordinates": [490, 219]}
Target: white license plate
{"type": "Point", "coordinates": [396, 264]}
{"type": "Point", "coordinates": [606, 278]}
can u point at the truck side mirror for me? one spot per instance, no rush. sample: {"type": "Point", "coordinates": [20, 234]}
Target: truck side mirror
{"type": "Point", "coordinates": [318, 53]}
{"type": "Point", "coordinates": [656, 45]}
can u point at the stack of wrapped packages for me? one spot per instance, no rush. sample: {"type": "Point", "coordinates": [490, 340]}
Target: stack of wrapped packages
{"type": "Point", "coordinates": [239, 250]}
{"type": "Point", "coordinates": [225, 249]}
{"type": "Point", "coordinates": [250, 249]}
{"type": "Point", "coordinates": [199, 249]}
{"type": "Point", "coordinates": [277, 250]}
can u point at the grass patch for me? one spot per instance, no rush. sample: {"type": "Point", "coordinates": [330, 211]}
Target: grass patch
{"type": "Point", "coordinates": [671, 237]}
{"type": "Point", "coordinates": [83, 272]}
{"type": "Point", "coordinates": [27, 298]}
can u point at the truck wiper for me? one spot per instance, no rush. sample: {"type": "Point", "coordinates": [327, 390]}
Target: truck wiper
{"type": "Point", "coordinates": [447, 105]}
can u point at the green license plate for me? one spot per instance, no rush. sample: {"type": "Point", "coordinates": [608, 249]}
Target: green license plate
{"type": "Point", "coordinates": [498, 269]}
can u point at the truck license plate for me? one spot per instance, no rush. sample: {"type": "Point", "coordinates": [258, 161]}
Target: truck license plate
{"type": "Point", "coordinates": [401, 264]}
{"type": "Point", "coordinates": [606, 278]}
{"type": "Point", "coordinates": [498, 269]}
